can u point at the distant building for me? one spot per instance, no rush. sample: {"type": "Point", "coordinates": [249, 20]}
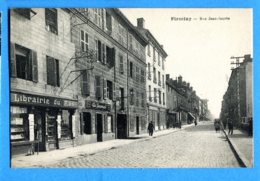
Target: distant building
{"type": "Point", "coordinates": [156, 79]}
{"type": "Point", "coordinates": [237, 101]}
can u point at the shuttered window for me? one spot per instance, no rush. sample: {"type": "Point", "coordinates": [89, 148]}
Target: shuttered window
{"type": "Point", "coordinates": [121, 64]}
{"type": "Point", "coordinates": [83, 41]}
{"type": "Point", "coordinates": [85, 84]}
{"type": "Point", "coordinates": [25, 12]}
{"type": "Point", "coordinates": [98, 87]}
{"type": "Point", "coordinates": [110, 52]}
{"type": "Point", "coordinates": [53, 77]}
{"type": "Point", "coordinates": [51, 20]}
{"type": "Point", "coordinates": [23, 63]}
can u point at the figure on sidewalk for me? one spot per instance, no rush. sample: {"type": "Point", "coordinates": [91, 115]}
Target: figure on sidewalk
{"type": "Point", "coordinates": [230, 126]}
{"type": "Point", "coordinates": [217, 125]}
{"type": "Point", "coordinates": [195, 122]}
{"type": "Point", "coordinates": [151, 128]}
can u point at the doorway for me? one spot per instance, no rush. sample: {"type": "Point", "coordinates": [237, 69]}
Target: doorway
{"type": "Point", "coordinates": [52, 137]}
{"type": "Point", "coordinates": [121, 126]}
{"type": "Point", "coordinates": [99, 127]}
{"type": "Point", "coordinates": [158, 121]}
{"type": "Point", "coordinates": [137, 125]}
{"type": "Point", "coordinates": [40, 131]}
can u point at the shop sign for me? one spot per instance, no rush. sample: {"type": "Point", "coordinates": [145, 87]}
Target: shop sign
{"type": "Point", "coordinates": [41, 100]}
{"type": "Point", "coordinates": [97, 106]}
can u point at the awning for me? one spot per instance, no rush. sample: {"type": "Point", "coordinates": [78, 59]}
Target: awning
{"type": "Point", "coordinates": [191, 115]}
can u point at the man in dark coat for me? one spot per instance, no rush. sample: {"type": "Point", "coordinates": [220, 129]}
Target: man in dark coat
{"type": "Point", "coordinates": [150, 128]}
{"type": "Point", "coordinates": [230, 126]}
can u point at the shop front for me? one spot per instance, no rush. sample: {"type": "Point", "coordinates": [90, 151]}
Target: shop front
{"type": "Point", "coordinates": [41, 123]}
{"type": "Point", "coordinates": [172, 121]}
{"type": "Point", "coordinates": [97, 122]}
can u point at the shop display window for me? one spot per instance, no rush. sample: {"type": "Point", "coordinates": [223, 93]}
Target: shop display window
{"type": "Point", "coordinates": [66, 125]}
{"type": "Point", "coordinates": [19, 125]}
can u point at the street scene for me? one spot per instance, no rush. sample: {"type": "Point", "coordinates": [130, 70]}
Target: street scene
{"type": "Point", "coordinates": [130, 88]}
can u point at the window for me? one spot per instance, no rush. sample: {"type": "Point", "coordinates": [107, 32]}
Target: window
{"type": "Point", "coordinates": [53, 77]}
{"type": "Point", "coordinates": [131, 69]}
{"type": "Point", "coordinates": [98, 16]}
{"type": "Point", "coordinates": [137, 99]}
{"type": "Point", "coordinates": [159, 59]}
{"type": "Point", "coordinates": [66, 125]}
{"type": "Point", "coordinates": [149, 50]}
{"type": "Point", "coordinates": [163, 83]}
{"type": "Point", "coordinates": [159, 78]}
{"type": "Point", "coordinates": [109, 22]}
{"type": "Point", "coordinates": [154, 75]}
{"type": "Point", "coordinates": [121, 34]}
{"type": "Point", "coordinates": [25, 12]}
{"type": "Point", "coordinates": [131, 96]}
{"type": "Point", "coordinates": [83, 41]}
{"type": "Point", "coordinates": [154, 54]}
{"type": "Point", "coordinates": [98, 50]}
{"type": "Point", "coordinates": [143, 101]}
{"type": "Point", "coordinates": [51, 20]}
{"type": "Point", "coordinates": [109, 90]}
{"type": "Point", "coordinates": [155, 94]}
{"type": "Point", "coordinates": [163, 63]}
{"type": "Point", "coordinates": [122, 99]}
{"type": "Point", "coordinates": [130, 42]}
{"type": "Point", "coordinates": [85, 84]}
{"type": "Point", "coordinates": [23, 63]}
{"type": "Point", "coordinates": [160, 100]}
{"type": "Point", "coordinates": [98, 87]}
{"type": "Point", "coordinates": [142, 76]}
{"type": "Point", "coordinates": [150, 98]}
{"type": "Point", "coordinates": [137, 74]}
{"type": "Point", "coordinates": [121, 64]}
{"type": "Point", "coordinates": [110, 56]}
{"type": "Point", "coordinates": [149, 71]}
{"type": "Point", "coordinates": [163, 99]}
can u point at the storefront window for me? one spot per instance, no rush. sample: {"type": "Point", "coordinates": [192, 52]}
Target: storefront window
{"type": "Point", "coordinates": [65, 125]}
{"type": "Point", "coordinates": [19, 124]}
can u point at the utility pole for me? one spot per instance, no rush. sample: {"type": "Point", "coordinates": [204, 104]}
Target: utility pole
{"type": "Point", "coordinates": [237, 65]}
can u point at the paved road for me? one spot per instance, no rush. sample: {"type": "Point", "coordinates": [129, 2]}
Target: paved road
{"type": "Point", "coordinates": [193, 147]}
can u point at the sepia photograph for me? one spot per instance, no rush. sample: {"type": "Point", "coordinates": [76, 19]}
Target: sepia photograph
{"type": "Point", "coordinates": [131, 87]}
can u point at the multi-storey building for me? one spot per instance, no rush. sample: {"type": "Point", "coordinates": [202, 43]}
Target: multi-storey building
{"type": "Point", "coordinates": [41, 108]}
{"type": "Point", "coordinates": [155, 82]}
{"type": "Point", "coordinates": [111, 74]}
{"type": "Point", "coordinates": [237, 101]}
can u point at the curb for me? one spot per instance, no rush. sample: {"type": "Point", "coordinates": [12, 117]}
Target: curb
{"type": "Point", "coordinates": [239, 156]}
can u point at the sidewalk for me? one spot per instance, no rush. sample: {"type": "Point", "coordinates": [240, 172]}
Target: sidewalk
{"type": "Point", "coordinates": [46, 158]}
{"type": "Point", "coordinates": [243, 146]}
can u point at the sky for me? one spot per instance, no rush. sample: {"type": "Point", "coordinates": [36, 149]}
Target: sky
{"type": "Point", "coordinates": [199, 44]}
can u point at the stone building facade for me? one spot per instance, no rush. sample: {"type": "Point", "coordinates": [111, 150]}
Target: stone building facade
{"type": "Point", "coordinates": [40, 108]}
{"type": "Point", "coordinates": [156, 80]}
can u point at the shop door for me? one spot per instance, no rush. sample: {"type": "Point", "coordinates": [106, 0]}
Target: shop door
{"type": "Point", "coordinates": [52, 137]}
{"type": "Point", "coordinates": [99, 127]}
{"type": "Point", "coordinates": [137, 125]}
{"type": "Point", "coordinates": [121, 126]}
{"type": "Point", "coordinates": [158, 119]}
{"type": "Point", "coordinates": [39, 118]}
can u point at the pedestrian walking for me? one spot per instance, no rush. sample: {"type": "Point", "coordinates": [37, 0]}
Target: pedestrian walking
{"type": "Point", "coordinates": [230, 126]}
{"type": "Point", "coordinates": [150, 128]}
{"type": "Point", "coordinates": [217, 125]}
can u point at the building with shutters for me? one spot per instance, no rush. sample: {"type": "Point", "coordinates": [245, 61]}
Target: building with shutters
{"type": "Point", "coordinates": [155, 81]}
{"type": "Point", "coordinates": [43, 109]}
{"type": "Point", "coordinates": [110, 66]}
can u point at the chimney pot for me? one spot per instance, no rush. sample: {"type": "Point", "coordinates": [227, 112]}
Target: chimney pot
{"type": "Point", "coordinates": [140, 22]}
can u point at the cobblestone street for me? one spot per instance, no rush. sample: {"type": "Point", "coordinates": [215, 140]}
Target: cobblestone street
{"type": "Point", "coordinates": [193, 147]}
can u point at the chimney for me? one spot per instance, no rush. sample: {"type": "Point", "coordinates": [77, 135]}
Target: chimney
{"type": "Point", "coordinates": [188, 85]}
{"type": "Point", "coordinates": [247, 58]}
{"type": "Point", "coordinates": [140, 22]}
{"type": "Point", "coordinates": [180, 79]}
{"type": "Point", "coordinates": [162, 46]}
{"type": "Point", "coordinates": [167, 76]}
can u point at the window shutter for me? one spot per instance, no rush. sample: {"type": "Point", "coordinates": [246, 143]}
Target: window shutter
{"type": "Point", "coordinates": [57, 78]}
{"type": "Point", "coordinates": [104, 53]}
{"type": "Point", "coordinates": [34, 66]}
{"type": "Point", "coordinates": [98, 87]}
{"type": "Point", "coordinates": [105, 88]}
{"type": "Point", "coordinates": [113, 57]}
{"type": "Point", "coordinates": [99, 51]}
{"type": "Point", "coordinates": [50, 71]}
{"type": "Point", "coordinates": [85, 89]}
{"type": "Point", "coordinates": [13, 71]}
